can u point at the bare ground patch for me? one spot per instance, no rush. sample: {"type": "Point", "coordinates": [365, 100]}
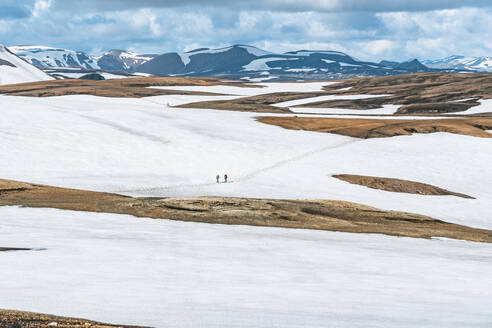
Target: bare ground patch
{"type": "Point", "coordinates": [124, 88]}
{"type": "Point", "coordinates": [420, 93]}
{"type": "Point", "coordinates": [380, 128]}
{"type": "Point", "coordinates": [329, 215]}
{"type": "Point", "coordinates": [397, 185]}
{"type": "Point", "coordinates": [23, 319]}
{"type": "Point", "coordinates": [9, 249]}
{"type": "Point", "coordinates": [260, 103]}
{"type": "Point", "coordinates": [430, 93]}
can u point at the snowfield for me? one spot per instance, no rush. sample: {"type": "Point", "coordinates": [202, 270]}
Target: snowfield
{"type": "Point", "coordinates": [121, 269]}
{"type": "Point", "coordinates": [142, 147]}
{"type": "Point", "coordinates": [127, 270]}
{"type": "Point", "coordinates": [261, 64]}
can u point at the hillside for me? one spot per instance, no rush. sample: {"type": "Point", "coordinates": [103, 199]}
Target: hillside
{"type": "Point", "coordinates": [15, 70]}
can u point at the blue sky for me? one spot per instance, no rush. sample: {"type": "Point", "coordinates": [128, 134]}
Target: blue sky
{"type": "Point", "coordinates": [367, 29]}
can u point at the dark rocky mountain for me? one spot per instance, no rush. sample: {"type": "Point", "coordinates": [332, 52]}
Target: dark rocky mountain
{"type": "Point", "coordinates": [388, 63]}
{"type": "Point", "coordinates": [92, 76]}
{"type": "Point", "coordinates": [250, 63]}
{"type": "Point", "coordinates": [166, 64]}
{"type": "Point", "coordinates": [238, 62]}
{"type": "Point", "coordinates": [412, 65]}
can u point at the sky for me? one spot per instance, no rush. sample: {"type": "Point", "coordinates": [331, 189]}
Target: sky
{"type": "Point", "coordinates": [367, 29]}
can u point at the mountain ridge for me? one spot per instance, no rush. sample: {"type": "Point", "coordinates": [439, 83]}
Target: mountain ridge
{"type": "Point", "coordinates": [240, 61]}
{"type": "Point", "coordinates": [248, 62]}
{"type": "Point", "coordinates": [479, 64]}
{"type": "Point", "coordinates": [51, 57]}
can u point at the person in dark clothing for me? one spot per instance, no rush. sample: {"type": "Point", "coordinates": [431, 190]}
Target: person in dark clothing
{"type": "Point", "coordinates": [217, 178]}
{"type": "Point", "coordinates": [225, 177]}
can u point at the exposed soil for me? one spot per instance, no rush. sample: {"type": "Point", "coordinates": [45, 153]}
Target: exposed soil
{"type": "Point", "coordinates": [260, 103]}
{"type": "Point", "coordinates": [397, 185]}
{"type": "Point", "coordinates": [22, 319]}
{"type": "Point", "coordinates": [8, 249]}
{"type": "Point", "coordinates": [306, 214]}
{"type": "Point", "coordinates": [421, 93]}
{"type": "Point", "coordinates": [431, 93]}
{"type": "Point", "coordinates": [436, 108]}
{"type": "Point", "coordinates": [125, 88]}
{"type": "Point", "coordinates": [380, 128]}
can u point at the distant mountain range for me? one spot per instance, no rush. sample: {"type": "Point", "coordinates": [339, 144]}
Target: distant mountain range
{"type": "Point", "coordinates": [48, 57]}
{"type": "Point", "coordinates": [483, 64]}
{"type": "Point", "coordinates": [240, 62]}
{"type": "Point", "coordinates": [250, 63]}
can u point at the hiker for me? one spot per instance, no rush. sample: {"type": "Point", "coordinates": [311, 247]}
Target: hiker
{"type": "Point", "coordinates": [218, 178]}
{"type": "Point", "coordinates": [225, 178]}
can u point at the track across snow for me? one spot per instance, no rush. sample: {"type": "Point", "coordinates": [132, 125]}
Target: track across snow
{"type": "Point", "coordinates": [143, 147]}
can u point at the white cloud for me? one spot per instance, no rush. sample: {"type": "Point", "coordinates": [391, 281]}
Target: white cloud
{"type": "Point", "coordinates": [366, 35]}
{"type": "Point", "coordinates": [379, 48]}
{"type": "Point", "coordinates": [41, 6]}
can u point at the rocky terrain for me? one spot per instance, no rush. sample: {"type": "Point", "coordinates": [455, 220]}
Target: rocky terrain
{"type": "Point", "coordinates": [381, 128]}
{"type": "Point", "coordinates": [306, 214]}
{"type": "Point", "coordinates": [423, 93]}
{"type": "Point", "coordinates": [22, 319]}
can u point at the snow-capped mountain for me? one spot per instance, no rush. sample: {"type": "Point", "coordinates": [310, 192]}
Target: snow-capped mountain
{"type": "Point", "coordinates": [41, 56]}
{"type": "Point", "coordinates": [483, 64]}
{"type": "Point", "coordinates": [247, 62]}
{"type": "Point", "coordinates": [119, 60]}
{"type": "Point", "coordinates": [15, 70]}
{"type": "Point", "coordinates": [48, 57]}
{"type": "Point", "coordinates": [237, 61]}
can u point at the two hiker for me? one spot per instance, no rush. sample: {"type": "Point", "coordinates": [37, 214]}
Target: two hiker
{"type": "Point", "coordinates": [218, 178]}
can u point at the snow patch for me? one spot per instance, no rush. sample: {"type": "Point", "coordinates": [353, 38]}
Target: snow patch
{"type": "Point", "coordinates": [385, 110]}
{"type": "Point", "coordinates": [298, 70]}
{"type": "Point", "coordinates": [261, 64]}
{"type": "Point", "coordinates": [323, 98]}
{"type": "Point", "coordinates": [484, 107]}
